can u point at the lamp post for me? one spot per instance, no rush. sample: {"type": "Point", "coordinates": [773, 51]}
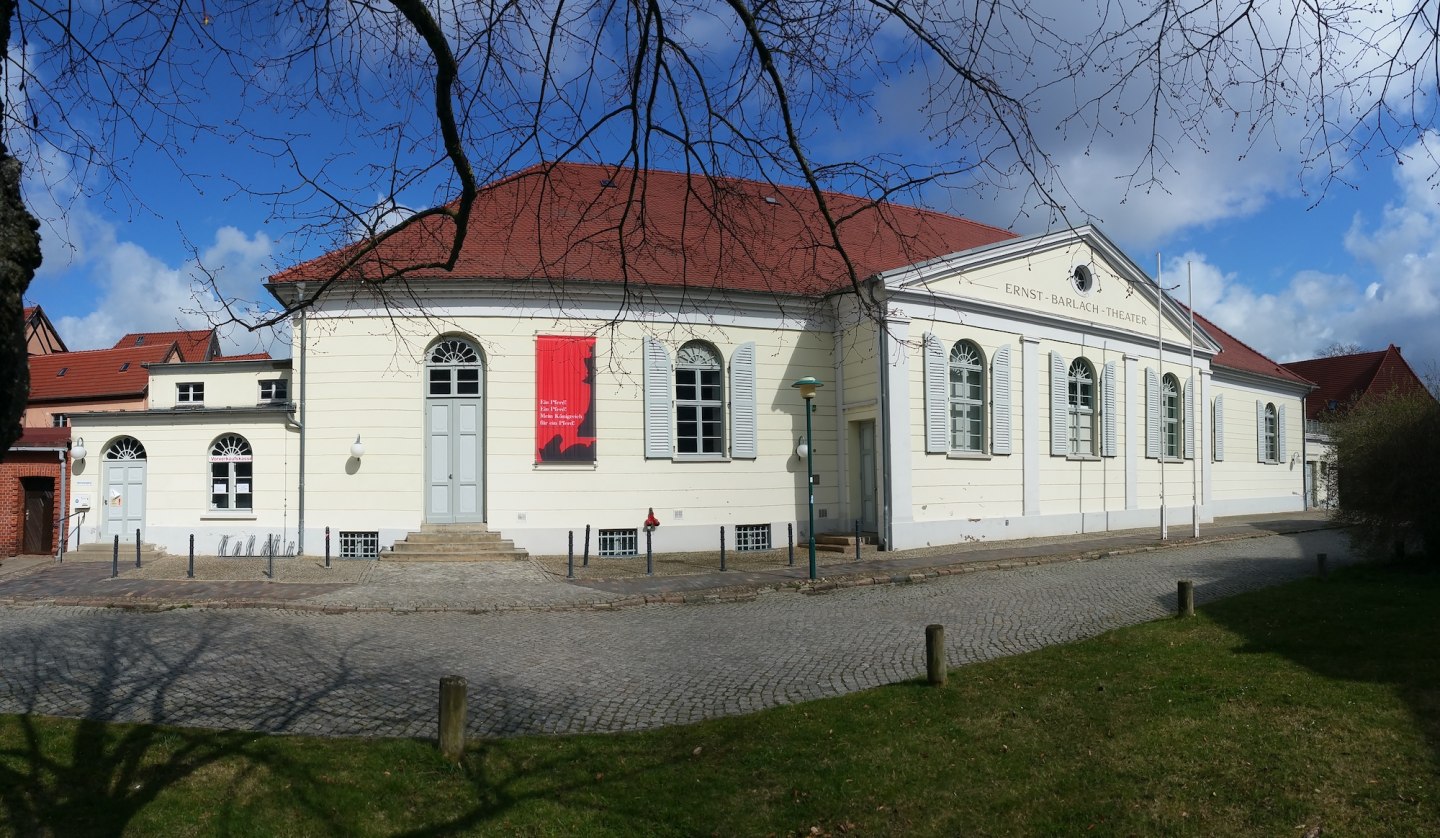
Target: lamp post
{"type": "Point", "coordinates": [807, 387]}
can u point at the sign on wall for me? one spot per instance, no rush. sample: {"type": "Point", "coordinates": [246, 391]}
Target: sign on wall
{"type": "Point", "coordinates": [564, 399]}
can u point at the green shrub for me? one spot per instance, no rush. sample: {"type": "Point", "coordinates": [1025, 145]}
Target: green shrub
{"type": "Point", "coordinates": [1386, 464]}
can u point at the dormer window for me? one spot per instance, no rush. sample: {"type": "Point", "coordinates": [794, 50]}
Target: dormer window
{"type": "Point", "coordinates": [190, 394]}
{"type": "Point", "coordinates": [61, 373]}
{"type": "Point", "coordinates": [125, 366]}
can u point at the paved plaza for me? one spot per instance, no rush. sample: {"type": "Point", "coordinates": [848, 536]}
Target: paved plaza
{"type": "Point", "coordinates": [554, 668]}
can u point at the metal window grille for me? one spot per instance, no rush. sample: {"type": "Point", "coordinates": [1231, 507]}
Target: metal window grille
{"type": "Point", "coordinates": [750, 537]}
{"type": "Point", "coordinates": [615, 543]}
{"type": "Point", "coordinates": [359, 545]}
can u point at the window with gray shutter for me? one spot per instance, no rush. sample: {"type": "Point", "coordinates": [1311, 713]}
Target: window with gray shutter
{"type": "Point", "coordinates": [1260, 446]}
{"type": "Point", "coordinates": [1280, 436]}
{"type": "Point", "coordinates": [1000, 433]}
{"type": "Point", "coordinates": [743, 445]}
{"type": "Point", "coordinates": [937, 435]}
{"type": "Point", "coordinates": [1059, 406]}
{"type": "Point", "coordinates": [1107, 408]}
{"type": "Point", "coordinates": [1219, 425]}
{"type": "Point", "coordinates": [1152, 414]}
{"type": "Point", "coordinates": [657, 399]}
{"type": "Point", "coordinates": [1190, 418]}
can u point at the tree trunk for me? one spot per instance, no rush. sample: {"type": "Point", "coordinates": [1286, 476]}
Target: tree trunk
{"type": "Point", "coordinates": [19, 259]}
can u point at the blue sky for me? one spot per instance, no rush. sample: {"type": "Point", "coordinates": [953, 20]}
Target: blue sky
{"type": "Point", "coordinates": [1284, 273]}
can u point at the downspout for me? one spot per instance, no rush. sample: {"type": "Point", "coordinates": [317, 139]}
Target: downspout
{"type": "Point", "coordinates": [64, 509]}
{"type": "Point", "coordinates": [886, 512]}
{"type": "Point", "coordinates": [304, 395]}
{"type": "Point", "coordinates": [1305, 487]}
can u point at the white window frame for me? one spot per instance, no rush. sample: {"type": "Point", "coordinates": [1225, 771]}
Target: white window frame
{"type": "Point", "coordinates": [966, 399]}
{"type": "Point", "coordinates": [698, 383]}
{"type": "Point", "coordinates": [231, 474]}
{"type": "Point", "coordinates": [279, 390]}
{"type": "Point", "coordinates": [190, 394]}
{"type": "Point", "coordinates": [1271, 433]}
{"type": "Point", "coordinates": [1080, 383]}
{"type": "Point", "coordinates": [1171, 429]}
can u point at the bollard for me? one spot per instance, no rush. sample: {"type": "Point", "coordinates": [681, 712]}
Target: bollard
{"type": "Point", "coordinates": [857, 539]}
{"type": "Point", "coordinates": [570, 562]}
{"type": "Point", "coordinates": [1185, 598]}
{"type": "Point", "coordinates": [137, 548]}
{"type": "Point", "coordinates": [790, 537]}
{"type": "Point", "coordinates": [115, 559]}
{"type": "Point", "coordinates": [722, 547]}
{"type": "Point", "coordinates": [327, 547]}
{"type": "Point", "coordinates": [452, 717]}
{"type": "Point", "coordinates": [270, 559]}
{"type": "Point", "coordinates": [1320, 568]}
{"type": "Point", "coordinates": [935, 654]}
{"type": "Point", "coordinates": [190, 570]}
{"type": "Point", "coordinates": [649, 555]}
{"type": "Point", "coordinates": [585, 561]}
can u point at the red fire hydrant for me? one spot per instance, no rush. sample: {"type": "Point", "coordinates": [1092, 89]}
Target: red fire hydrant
{"type": "Point", "coordinates": [651, 522]}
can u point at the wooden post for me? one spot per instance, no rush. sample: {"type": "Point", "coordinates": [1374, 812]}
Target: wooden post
{"type": "Point", "coordinates": [452, 717]}
{"type": "Point", "coordinates": [1185, 593]}
{"type": "Point", "coordinates": [1320, 568]}
{"type": "Point", "coordinates": [935, 654]}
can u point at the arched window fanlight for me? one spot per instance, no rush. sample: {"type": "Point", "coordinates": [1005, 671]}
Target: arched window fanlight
{"type": "Point", "coordinates": [125, 448]}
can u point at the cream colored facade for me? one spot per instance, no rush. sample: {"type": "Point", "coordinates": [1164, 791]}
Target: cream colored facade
{"type": "Point", "coordinates": [359, 372]}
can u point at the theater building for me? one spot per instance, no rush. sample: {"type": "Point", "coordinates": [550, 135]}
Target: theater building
{"type": "Point", "coordinates": [587, 360]}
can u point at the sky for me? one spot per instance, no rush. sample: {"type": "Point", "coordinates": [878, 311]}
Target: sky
{"type": "Point", "coordinates": [1287, 262]}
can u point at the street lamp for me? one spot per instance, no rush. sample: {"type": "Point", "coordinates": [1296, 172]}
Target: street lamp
{"type": "Point", "coordinates": [807, 387]}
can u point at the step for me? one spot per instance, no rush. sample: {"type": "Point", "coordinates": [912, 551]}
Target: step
{"type": "Point", "coordinates": [105, 551]}
{"type": "Point", "coordinates": [845, 540]}
{"type": "Point", "coordinates": [418, 556]}
{"type": "Point", "coordinates": [498, 545]}
{"type": "Point", "coordinates": [455, 528]}
{"type": "Point", "coordinates": [455, 538]}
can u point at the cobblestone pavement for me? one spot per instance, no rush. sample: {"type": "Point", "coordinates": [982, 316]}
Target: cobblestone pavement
{"type": "Point", "coordinates": [371, 674]}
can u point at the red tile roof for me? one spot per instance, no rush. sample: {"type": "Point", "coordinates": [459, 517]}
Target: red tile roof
{"type": "Point", "coordinates": [1236, 355]}
{"type": "Point", "coordinates": [42, 438]}
{"type": "Point", "coordinates": [572, 221]}
{"type": "Point", "coordinates": [253, 356]}
{"type": "Point", "coordinates": [195, 345]}
{"type": "Point", "coordinates": [95, 373]}
{"type": "Point", "coordinates": [1346, 378]}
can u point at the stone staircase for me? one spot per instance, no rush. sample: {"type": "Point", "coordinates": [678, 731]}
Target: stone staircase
{"type": "Point", "coordinates": [453, 543]}
{"type": "Point", "coordinates": [841, 543]}
{"type": "Point", "coordinates": [104, 551]}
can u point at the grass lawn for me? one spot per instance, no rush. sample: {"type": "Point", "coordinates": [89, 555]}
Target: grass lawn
{"type": "Point", "coordinates": [1312, 705]}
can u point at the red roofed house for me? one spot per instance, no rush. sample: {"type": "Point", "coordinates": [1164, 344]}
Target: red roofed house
{"type": "Point", "coordinates": [608, 342]}
{"type": "Point", "coordinates": [1342, 380]}
{"type": "Point", "coordinates": [63, 383]}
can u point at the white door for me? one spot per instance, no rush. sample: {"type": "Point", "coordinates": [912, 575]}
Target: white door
{"type": "Point", "coordinates": [868, 520]}
{"type": "Point", "coordinates": [454, 439]}
{"type": "Point", "coordinates": [124, 491]}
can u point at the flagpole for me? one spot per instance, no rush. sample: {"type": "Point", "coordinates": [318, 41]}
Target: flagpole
{"type": "Point", "coordinates": [1160, 362]}
{"type": "Point", "coordinates": [1198, 406]}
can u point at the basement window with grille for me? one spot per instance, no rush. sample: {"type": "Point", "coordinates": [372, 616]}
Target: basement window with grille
{"type": "Point", "coordinates": [617, 543]}
{"type": "Point", "coordinates": [359, 545]}
{"type": "Point", "coordinates": [751, 537]}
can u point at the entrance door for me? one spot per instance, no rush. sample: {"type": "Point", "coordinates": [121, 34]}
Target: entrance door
{"type": "Point", "coordinates": [124, 489]}
{"type": "Point", "coordinates": [868, 519]}
{"type": "Point", "coordinates": [38, 536]}
{"type": "Point", "coordinates": [455, 434]}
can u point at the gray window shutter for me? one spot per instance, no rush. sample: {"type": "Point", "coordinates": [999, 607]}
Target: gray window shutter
{"type": "Point", "coordinates": [743, 445]}
{"type": "Point", "coordinates": [937, 402]}
{"type": "Point", "coordinates": [1059, 407]}
{"type": "Point", "coordinates": [1280, 430]}
{"type": "Point", "coordinates": [1260, 431]}
{"type": "Point", "coordinates": [657, 400]}
{"type": "Point", "coordinates": [1152, 414]}
{"type": "Point", "coordinates": [1107, 405]}
{"type": "Point", "coordinates": [1219, 428]}
{"type": "Point", "coordinates": [1190, 418]}
{"type": "Point", "coordinates": [1000, 433]}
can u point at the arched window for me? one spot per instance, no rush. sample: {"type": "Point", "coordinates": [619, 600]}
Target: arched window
{"type": "Point", "coordinates": [1081, 378]}
{"type": "Point", "coordinates": [231, 474]}
{"type": "Point", "coordinates": [454, 369]}
{"type": "Point", "coordinates": [967, 398]}
{"type": "Point", "coordinates": [125, 448]}
{"type": "Point", "coordinates": [1272, 435]}
{"type": "Point", "coordinates": [699, 400]}
{"type": "Point", "coordinates": [1170, 415]}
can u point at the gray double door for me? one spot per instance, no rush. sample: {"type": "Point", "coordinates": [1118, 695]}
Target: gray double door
{"type": "Point", "coordinates": [455, 435]}
{"type": "Point", "coordinates": [124, 493]}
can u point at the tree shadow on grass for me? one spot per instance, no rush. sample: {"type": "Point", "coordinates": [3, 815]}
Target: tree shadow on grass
{"type": "Point", "coordinates": [1373, 623]}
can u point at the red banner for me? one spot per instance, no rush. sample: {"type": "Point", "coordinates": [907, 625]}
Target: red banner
{"type": "Point", "coordinates": [564, 399]}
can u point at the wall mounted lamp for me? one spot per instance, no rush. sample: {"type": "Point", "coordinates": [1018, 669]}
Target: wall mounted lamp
{"type": "Point", "coordinates": [77, 451]}
{"type": "Point", "coordinates": [357, 448]}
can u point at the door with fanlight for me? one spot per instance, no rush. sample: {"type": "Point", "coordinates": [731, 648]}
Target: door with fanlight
{"type": "Point", "coordinates": [455, 433]}
{"type": "Point", "coordinates": [124, 489]}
